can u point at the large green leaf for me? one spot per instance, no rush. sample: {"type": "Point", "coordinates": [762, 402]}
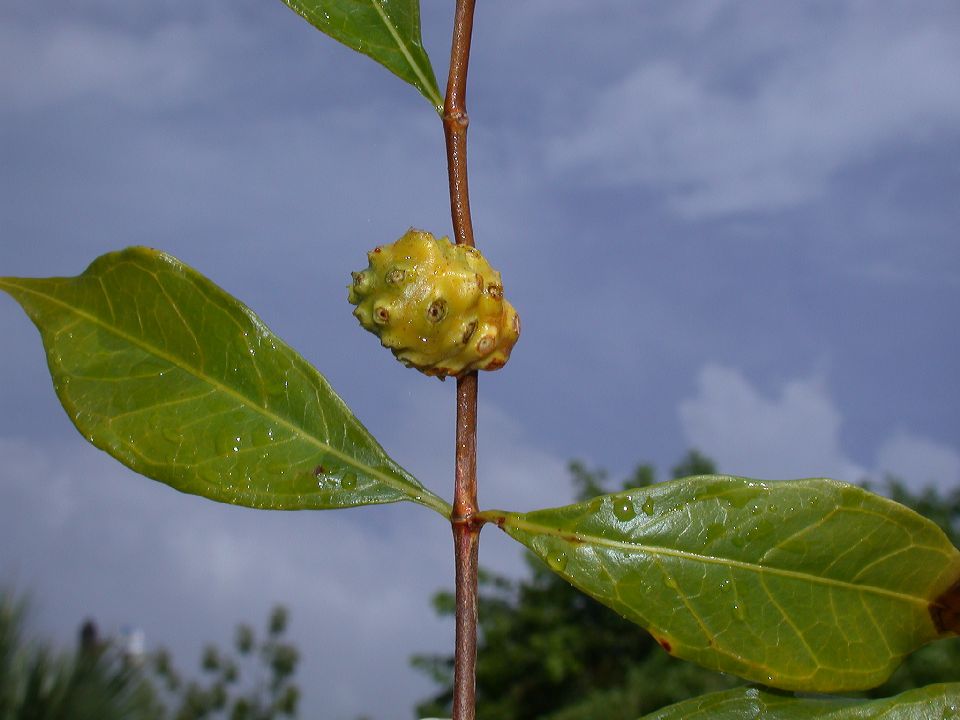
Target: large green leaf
{"type": "Point", "coordinates": [805, 585]}
{"type": "Point", "coordinates": [386, 30]}
{"type": "Point", "coordinates": [934, 702]}
{"type": "Point", "coordinates": [182, 382]}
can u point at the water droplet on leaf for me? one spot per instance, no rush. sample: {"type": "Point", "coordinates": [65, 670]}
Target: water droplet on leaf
{"type": "Point", "coordinates": [276, 387]}
{"type": "Point", "coordinates": [713, 531]}
{"type": "Point", "coordinates": [262, 435]}
{"type": "Point", "coordinates": [228, 442]}
{"type": "Point", "coordinates": [557, 560]}
{"type": "Point", "coordinates": [349, 481]}
{"type": "Point", "coordinates": [647, 506]}
{"type": "Point", "coordinates": [623, 509]}
{"type": "Point", "coordinates": [741, 496]}
{"type": "Point", "coordinates": [210, 476]}
{"type": "Point", "coordinates": [760, 530]}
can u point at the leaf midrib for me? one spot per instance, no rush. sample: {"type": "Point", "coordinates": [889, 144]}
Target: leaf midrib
{"type": "Point", "coordinates": [426, 497]}
{"type": "Point", "coordinates": [418, 71]}
{"type": "Point", "coordinates": [535, 528]}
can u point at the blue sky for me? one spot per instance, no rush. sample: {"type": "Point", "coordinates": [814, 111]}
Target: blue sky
{"type": "Point", "coordinates": [728, 225]}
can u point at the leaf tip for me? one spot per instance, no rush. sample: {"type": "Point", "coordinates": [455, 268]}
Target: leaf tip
{"type": "Point", "coordinates": [945, 611]}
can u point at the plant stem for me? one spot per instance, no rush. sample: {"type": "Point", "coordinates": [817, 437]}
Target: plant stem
{"type": "Point", "coordinates": [466, 529]}
{"type": "Point", "coordinates": [455, 122]}
{"type": "Point", "coordinates": [466, 544]}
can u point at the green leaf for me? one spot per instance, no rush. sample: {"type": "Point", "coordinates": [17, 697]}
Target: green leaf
{"type": "Point", "coordinates": [182, 382]}
{"type": "Point", "coordinates": [934, 702]}
{"type": "Point", "coordinates": [386, 30]}
{"type": "Point", "coordinates": [806, 585]}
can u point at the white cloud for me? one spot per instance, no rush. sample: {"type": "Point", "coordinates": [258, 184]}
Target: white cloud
{"type": "Point", "coordinates": [81, 61]}
{"type": "Point", "coordinates": [823, 101]}
{"type": "Point", "coordinates": [797, 433]}
{"type": "Point", "coordinates": [919, 460]}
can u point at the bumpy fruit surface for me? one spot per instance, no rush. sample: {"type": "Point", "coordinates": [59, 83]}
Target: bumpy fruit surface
{"type": "Point", "coordinates": [437, 306]}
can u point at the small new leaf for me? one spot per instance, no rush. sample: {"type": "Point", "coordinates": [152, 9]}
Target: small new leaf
{"type": "Point", "coordinates": [183, 383]}
{"type": "Point", "coordinates": [934, 702]}
{"type": "Point", "coordinates": [387, 31]}
{"type": "Point", "coordinates": [809, 585]}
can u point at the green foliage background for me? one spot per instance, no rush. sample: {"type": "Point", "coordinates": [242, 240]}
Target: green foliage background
{"type": "Point", "coordinates": [253, 680]}
{"type": "Point", "coordinates": [38, 682]}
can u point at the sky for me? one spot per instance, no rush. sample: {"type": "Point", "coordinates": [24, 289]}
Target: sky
{"type": "Point", "coordinates": [725, 225]}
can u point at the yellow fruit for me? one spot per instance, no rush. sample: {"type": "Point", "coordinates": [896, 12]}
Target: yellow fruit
{"type": "Point", "coordinates": [437, 306]}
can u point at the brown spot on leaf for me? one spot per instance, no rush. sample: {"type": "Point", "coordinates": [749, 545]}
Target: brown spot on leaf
{"type": "Point", "coordinates": [319, 470]}
{"type": "Point", "coordinates": [665, 644]}
{"type": "Point", "coordinates": [945, 611]}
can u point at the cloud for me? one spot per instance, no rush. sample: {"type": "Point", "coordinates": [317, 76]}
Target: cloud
{"type": "Point", "coordinates": [77, 61]}
{"type": "Point", "coordinates": [822, 102]}
{"type": "Point", "coordinates": [797, 433]}
{"type": "Point", "coordinates": [919, 460]}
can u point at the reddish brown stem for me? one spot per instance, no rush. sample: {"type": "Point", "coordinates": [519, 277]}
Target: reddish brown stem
{"type": "Point", "coordinates": [466, 530]}
{"type": "Point", "coordinates": [455, 122]}
{"type": "Point", "coordinates": [466, 543]}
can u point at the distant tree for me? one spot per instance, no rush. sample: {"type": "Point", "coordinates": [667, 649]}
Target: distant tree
{"type": "Point", "coordinates": [253, 682]}
{"type": "Point", "coordinates": [97, 682]}
{"type": "Point", "coordinates": [100, 681]}
{"type": "Point", "coordinates": [548, 652]}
